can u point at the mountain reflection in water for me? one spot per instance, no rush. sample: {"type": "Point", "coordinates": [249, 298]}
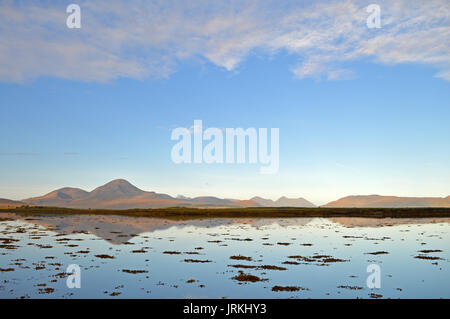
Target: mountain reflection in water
{"type": "Point", "coordinates": [141, 257]}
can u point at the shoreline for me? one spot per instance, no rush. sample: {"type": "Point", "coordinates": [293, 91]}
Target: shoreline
{"type": "Point", "coordinates": [254, 212]}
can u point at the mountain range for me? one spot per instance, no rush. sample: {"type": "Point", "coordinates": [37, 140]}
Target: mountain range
{"type": "Point", "coordinates": [372, 201]}
{"type": "Point", "coordinates": [120, 194]}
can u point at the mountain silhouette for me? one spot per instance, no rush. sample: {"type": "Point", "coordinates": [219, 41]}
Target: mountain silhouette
{"type": "Point", "coordinates": [121, 194]}
{"type": "Point", "coordinates": [59, 198]}
{"type": "Point", "coordinates": [378, 201]}
{"type": "Point", "coordinates": [8, 203]}
{"type": "Point", "coordinates": [117, 194]}
{"type": "Point", "coordinates": [283, 202]}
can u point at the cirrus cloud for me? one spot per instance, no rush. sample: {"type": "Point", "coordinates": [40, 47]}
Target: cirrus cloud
{"type": "Point", "coordinates": [150, 38]}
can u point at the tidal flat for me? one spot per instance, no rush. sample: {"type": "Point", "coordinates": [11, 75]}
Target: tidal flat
{"type": "Point", "coordinates": [122, 256]}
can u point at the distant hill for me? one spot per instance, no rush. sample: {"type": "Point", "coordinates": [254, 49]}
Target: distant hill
{"type": "Point", "coordinates": [244, 203]}
{"type": "Point", "coordinates": [120, 194]}
{"type": "Point", "coordinates": [58, 198]}
{"type": "Point", "coordinates": [293, 202]}
{"type": "Point", "coordinates": [283, 202]}
{"type": "Point", "coordinates": [366, 201]}
{"type": "Point", "coordinates": [263, 202]}
{"type": "Point", "coordinates": [7, 203]}
{"type": "Point", "coordinates": [210, 200]}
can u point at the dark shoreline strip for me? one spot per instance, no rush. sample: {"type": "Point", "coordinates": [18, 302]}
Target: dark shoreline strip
{"type": "Point", "coordinates": [260, 212]}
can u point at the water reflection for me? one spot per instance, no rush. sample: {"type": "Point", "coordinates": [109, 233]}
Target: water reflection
{"type": "Point", "coordinates": [122, 256]}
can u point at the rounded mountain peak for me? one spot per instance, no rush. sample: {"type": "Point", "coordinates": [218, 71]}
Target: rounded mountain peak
{"type": "Point", "coordinates": [118, 188]}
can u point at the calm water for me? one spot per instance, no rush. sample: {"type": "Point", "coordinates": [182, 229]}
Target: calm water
{"type": "Point", "coordinates": [125, 257]}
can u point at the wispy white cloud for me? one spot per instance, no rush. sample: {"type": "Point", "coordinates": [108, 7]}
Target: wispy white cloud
{"type": "Point", "coordinates": [142, 39]}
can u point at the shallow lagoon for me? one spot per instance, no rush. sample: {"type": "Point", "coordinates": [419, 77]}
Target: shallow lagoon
{"type": "Point", "coordinates": [126, 257]}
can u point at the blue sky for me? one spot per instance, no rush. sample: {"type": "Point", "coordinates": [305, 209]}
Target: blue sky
{"type": "Point", "coordinates": [370, 123]}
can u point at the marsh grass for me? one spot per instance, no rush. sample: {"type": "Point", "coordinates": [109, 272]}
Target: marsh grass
{"type": "Point", "coordinates": [188, 213]}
